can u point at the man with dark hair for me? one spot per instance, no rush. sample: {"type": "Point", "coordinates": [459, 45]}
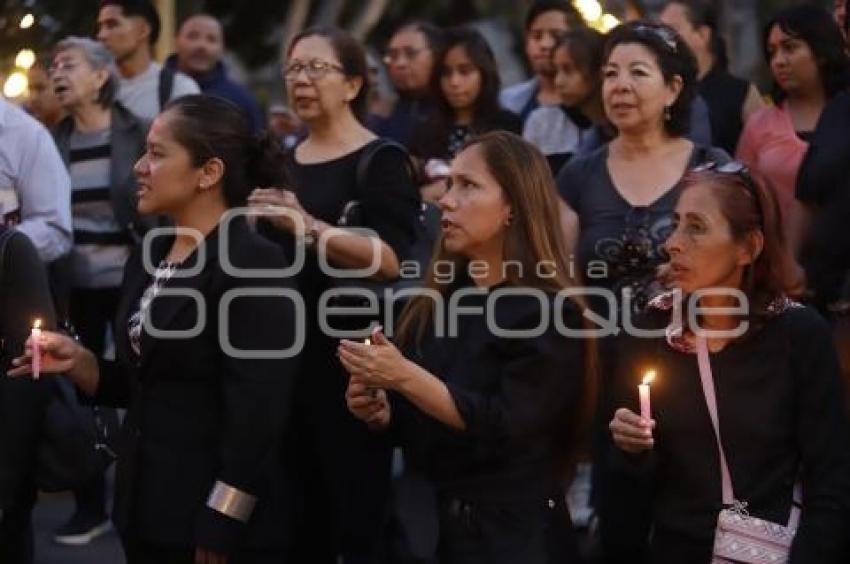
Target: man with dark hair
{"type": "Point", "coordinates": [555, 130]}
{"type": "Point", "coordinates": [129, 29]}
{"type": "Point", "coordinates": [200, 44]}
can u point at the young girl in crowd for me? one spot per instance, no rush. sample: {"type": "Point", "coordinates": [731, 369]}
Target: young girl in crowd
{"type": "Point", "coordinates": [466, 83]}
{"type": "Point", "coordinates": [805, 50]}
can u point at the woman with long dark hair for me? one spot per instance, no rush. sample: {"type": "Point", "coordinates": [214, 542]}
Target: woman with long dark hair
{"type": "Point", "coordinates": [466, 86]}
{"type": "Point", "coordinates": [743, 406]}
{"type": "Point", "coordinates": [488, 417]}
{"type": "Point", "coordinates": [805, 50]}
{"type": "Point", "coordinates": [201, 475]}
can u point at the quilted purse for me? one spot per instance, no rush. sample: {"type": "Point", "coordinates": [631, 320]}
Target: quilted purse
{"type": "Point", "coordinates": [738, 537]}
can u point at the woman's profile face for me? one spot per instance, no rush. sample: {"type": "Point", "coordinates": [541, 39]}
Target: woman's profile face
{"type": "Point", "coordinates": [475, 209]}
{"type": "Point", "coordinates": [167, 178]}
{"type": "Point", "coordinates": [572, 84]}
{"type": "Point", "coordinates": [634, 91]}
{"type": "Point", "coordinates": [792, 62]}
{"type": "Point", "coordinates": [703, 253]}
{"type": "Point", "coordinates": [74, 81]}
{"type": "Point", "coordinates": [460, 79]}
{"type": "Point", "coordinates": [319, 89]}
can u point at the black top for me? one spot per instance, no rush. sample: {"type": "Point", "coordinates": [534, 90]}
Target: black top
{"type": "Point", "coordinates": [824, 183]}
{"type": "Point", "coordinates": [725, 96]}
{"type": "Point", "coordinates": [517, 397]}
{"type": "Point", "coordinates": [389, 203]}
{"type": "Point", "coordinates": [780, 409]}
{"type": "Point", "coordinates": [196, 412]}
{"type": "Point", "coordinates": [24, 297]}
{"type": "Point", "coordinates": [433, 140]}
{"type": "Point", "coordinates": [620, 246]}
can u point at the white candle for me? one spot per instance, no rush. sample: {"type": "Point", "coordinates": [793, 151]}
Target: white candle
{"type": "Point", "coordinates": [35, 335]}
{"type": "Point", "coordinates": [643, 392]}
{"type": "Point", "coordinates": [373, 392]}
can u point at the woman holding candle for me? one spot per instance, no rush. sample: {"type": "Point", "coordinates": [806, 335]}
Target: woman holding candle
{"type": "Point", "coordinates": [24, 297]}
{"type": "Point", "coordinates": [776, 382]}
{"type": "Point", "coordinates": [342, 469]}
{"type": "Point", "coordinates": [488, 421]}
{"type": "Point", "coordinates": [200, 477]}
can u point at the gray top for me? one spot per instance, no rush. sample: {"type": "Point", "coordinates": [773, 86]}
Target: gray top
{"type": "Point", "coordinates": [140, 94]}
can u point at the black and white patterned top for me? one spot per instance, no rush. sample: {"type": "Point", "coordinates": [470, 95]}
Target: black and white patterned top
{"type": "Point", "coordinates": [136, 323]}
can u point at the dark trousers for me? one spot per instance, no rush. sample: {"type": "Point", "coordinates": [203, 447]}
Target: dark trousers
{"type": "Point", "coordinates": [92, 310]}
{"type": "Point", "coordinates": [530, 532]}
{"type": "Point", "coordinates": [16, 540]}
{"type": "Point", "coordinates": [143, 552]}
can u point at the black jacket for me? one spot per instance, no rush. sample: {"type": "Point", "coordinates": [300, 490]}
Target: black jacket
{"type": "Point", "coordinates": [196, 414]}
{"type": "Point", "coordinates": [24, 296]}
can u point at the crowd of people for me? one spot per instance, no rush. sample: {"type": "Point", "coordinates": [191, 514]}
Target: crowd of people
{"type": "Point", "coordinates": [407, 329]}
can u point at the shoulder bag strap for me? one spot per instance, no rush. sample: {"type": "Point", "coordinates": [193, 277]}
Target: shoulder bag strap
{"type": "Point", "coordinates": [707, 380]}
{"type": "Point", "coordinates": [708, 391]}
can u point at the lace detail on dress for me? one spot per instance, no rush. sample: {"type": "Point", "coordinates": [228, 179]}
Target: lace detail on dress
{"type": "Point", "coordinates": [136, 323]}
{"type": "Point", "coordinates": [674, 332]}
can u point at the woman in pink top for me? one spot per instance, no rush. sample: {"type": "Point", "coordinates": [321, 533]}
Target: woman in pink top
{"type": "Point", "coordinates": [803, 46]}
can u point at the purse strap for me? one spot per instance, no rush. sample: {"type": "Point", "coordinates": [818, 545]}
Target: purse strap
{"type": "Point", "coordinates": [708, 390]}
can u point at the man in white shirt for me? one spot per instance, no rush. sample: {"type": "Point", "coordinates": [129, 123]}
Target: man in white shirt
{"type": "Point", "coordinates": [34, 184]}
{"type": "Point", "coordinates": [129, 29]}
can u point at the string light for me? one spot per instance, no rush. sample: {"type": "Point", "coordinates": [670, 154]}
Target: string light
{"type": "Point", "coordinates": [591, 11]}
{"type": "Point", "coordinates": [25, 59]}
{"type": "Point", "coordinates": [27, 21]}
{"type": "Point", "coordinates": [16, 84]}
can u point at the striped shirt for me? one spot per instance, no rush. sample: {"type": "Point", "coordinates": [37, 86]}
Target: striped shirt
{"type": "Point", "coordinates": [101, 245]}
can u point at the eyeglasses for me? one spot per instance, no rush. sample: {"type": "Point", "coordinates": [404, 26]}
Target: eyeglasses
{"type": "Point", "coordinates": [408, 53]}
{"type": "Point", "coordinates": [315, 69]}
{"type": "Point", "coordinates": [739, 170]}
{"type": "Point", "coordinates": [62, 67]}
{"type": "Point", "coordinates": [666, 35]}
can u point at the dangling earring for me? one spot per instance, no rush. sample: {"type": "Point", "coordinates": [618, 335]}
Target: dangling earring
{"type": "Point", "coordinates": [667, 116]}
{"type": "Point", "coordinates": [508, 221]}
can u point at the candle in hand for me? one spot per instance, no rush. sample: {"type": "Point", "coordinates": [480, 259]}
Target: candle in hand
{"type": "Point", "coordinates": [643, 392]}
{"type": "Point", "coordinates": [373, 392]}
{"type": "Point", "coordinates": [35, 335]}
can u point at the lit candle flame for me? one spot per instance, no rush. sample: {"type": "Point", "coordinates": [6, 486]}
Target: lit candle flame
{"type": "Point", "coordinates": [368, 341]}
{"type": "Point", "coordinates": [648, 377]}
{"type": "Point", "coordinates": [37, 324]}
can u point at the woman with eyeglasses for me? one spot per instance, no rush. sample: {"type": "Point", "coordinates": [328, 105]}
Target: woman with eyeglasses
{"type": "Point", "coordinates": [466, 83]}
{"type": "Point", "coordinates": [805, 51]}
{"type": "Point", "coordinates": [99, 142]}
{"type": "Point", "coordinates": [410, 58]}
{"type": "Point", "coordinates": [342, 470]}
{"type": "Point", "coordinates": [768, 375]}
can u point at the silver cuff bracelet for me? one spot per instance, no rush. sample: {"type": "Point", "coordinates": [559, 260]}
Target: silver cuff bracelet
{"type": "Point", "coordinates": [232, 502]}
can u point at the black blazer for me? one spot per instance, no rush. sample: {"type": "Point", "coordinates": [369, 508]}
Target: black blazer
{"type": "Point", "coordinates": [24, 296]}
{"type": "Point", "coordinates": [197, 415]}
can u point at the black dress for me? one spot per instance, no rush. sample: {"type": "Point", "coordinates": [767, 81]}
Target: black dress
{"type": "Point", "coordinates": [24, 296]}
{"type": "Point", "coordinates": [499, 484]}
{"type": "Point", "coordinates": [781, 415]}
{"type": "Point", "coordinates": [343, 469]}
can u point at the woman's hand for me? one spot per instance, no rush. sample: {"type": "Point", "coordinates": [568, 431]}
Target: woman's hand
{"type": "Point", "coordinates": [204, 556]}
{"type": "Point", "coordinates": [378, 365]}
{"type": "Point", "coordinates": [631, 432]}
{"type": "Point", "coordinates": [370, 405]}
{"type": "Point", "coordinates": [59, 354]}
{"type": "Point", "coordinates": [271, 198]}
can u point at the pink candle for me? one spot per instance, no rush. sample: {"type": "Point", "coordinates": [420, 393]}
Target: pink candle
{"type": "Point", "coordinates": [35, 335]}
{"type": "Point", "coordinates": [643, 392]}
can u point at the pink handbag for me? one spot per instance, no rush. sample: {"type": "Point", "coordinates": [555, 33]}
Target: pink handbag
{"type": "Point", "coordinates": [738, 537]}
